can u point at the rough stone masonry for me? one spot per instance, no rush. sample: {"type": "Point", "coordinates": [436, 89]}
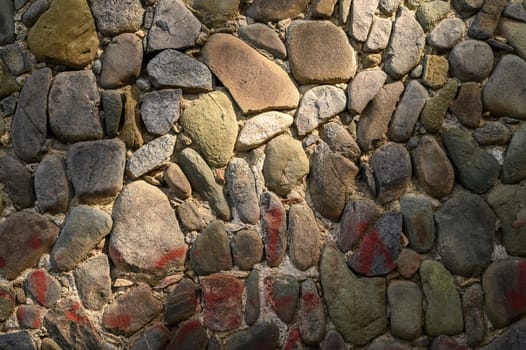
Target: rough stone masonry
{"type": "Point", "coordinates": [262, 174]}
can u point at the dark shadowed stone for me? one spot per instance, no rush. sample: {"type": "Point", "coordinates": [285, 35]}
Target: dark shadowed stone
{"type": "Point", "coordinates": [261, 336]}
{"type": "Point", "coordinates": [282, 293]}
{"type": "Point", "coordinates": [84, 227]}
{"type": "Point", "coordinates": [7, 301]}
{"type": "Point", "coordinates": [113, 17]}
{"type": "Point", "coordinates": [443, 311]}
{"type": "Point", "coordinates": [513, 339]}
{"type": "Point", "coordinates": [474, 321]}
{"type": "Point", "coordinates": [75, 94]}
{"type": "Point", "coordinates": [311, 314]}
{"type": "Point", "coordinates": [405, 302]}
{"type": "Point", "coordinates": [247, 249]}
{"type": "Point", "coordinates": [121, 62]}
{"type": "Point", "coordinates": [357, 307]}
{"type": "Point", "coordinates": [252, 301]}
{"type": "Point", "coordinates": [384, 343]}
{"type": "Point", "coordinates": [378, 250]}
{"type": "Point", "coordinates": [357, 218]}
{"type": "Point", "coordinates": [29, 316]}
{"type": "Point", "coordinates": [174, 26]}
{"type": "Point", "coordinates": [181, 303]}
{"type": "Point", "coordinates": [242, 190]}
{"type": "Point", "coordinates": [405, 117]}
{"type": "Point", "coordinates": [96, 169]}
{"type": "Point", "coordinates": [93, 282]}
{"type": "Point", "coordinates": [331, 179]}
{"type": "Point", "coordinates": [408, 263]}
{"type": "Point", "coordinates": [492, 133]}
{"type": "Point", "coordinates": [160, 110]}
{"type": "Point", "coordinates": [391, 165]}
{"type": "Point", "coordinates": [32, 14]}
{"type": "Point", "coordinates": [486, 20]}
{"type": "Point", "coordinates": [153, 155]}
{"type": "Point", "coordinates": [174, 69]}
{"type": "Point", "coordinates": [304, 250]}
{"type": "Point", "coordinates": [418, 221]}
{"type": "Point", "coordinates": [475, 168]}
{"type": "Point", "coordinates": [266, 11]}
{"type": "Point", "coordinates": [190, 216]}
{"type": "Point", "coordinates": [131, 311]}
{"type": "Point", "coordinates": [190, 335]}
{"type": "Point", "coordinates": [43, 287]}
{"type": "Point", "coordinates": [51, 184]}
{"type": "Point", "coordinates": [17, 181]}
{"type": "Point", "coordinates": [362, 15]}
{"type": "Point", "coordinates": [508, 202]}
{"type": "Point", "coordinates": [443, 342]}
{"type": "Point", "coordinates": [29, 126]}
{"type": "Point", "coordinates": [112, 105]}
{"type": "Point", "coordinates": [465, 227]}
{"type": "Point", "coordinates": [467, 107]}
{"type": "Point", "coordinates": [514, 167]}
{"type": "Point", "coordinates": [18, 340]}
{"type": "Point", "coordinates": [223, 304]}
{"type": "Point", "coordinates": [203, 182]}
{"type": "Point", "coordinates": [28, 232]}
{"type": "Point", "coordinates": [340, 140]}
{"type": "Point", "coordinates": [433, 168]}
{"type": "Point", "coordinates": [325, 62]}
{"type": "Point", "coordinates": [504, 291]}
{"type": "Point", "coordinates": [211, 251]}
{"type": "Point", "coordinates": [154, 338]}
{"type": "Point", "coordinates": [146, 235]}
{"type": "Point", "coordinates": [333, 341]}
{"type": "Point", "coordinates": [263, 37]}
{"type": "Point", "coordinates": [50, 344]}
{"type": "Point", "coordinates": [471, 60]}
{"type": "Point", "coordinates": [274, 228]}
{"type": "Point", "coordinates": [131, 132]}
{"type": "Point", "coordinates": [375, 119]}
{"type": "Point", "coordinates": [177, 181]}
{"type": "Point", "coordinates": [8, 83]}
{"type": "Point", "coordinates": [435, 109]}
{"type": "Point", "coordinates": [467, 7]}
{"type": "Point", "coordinates": [7, 23]}
{"type": "Point", "coordinates": [363, 88]}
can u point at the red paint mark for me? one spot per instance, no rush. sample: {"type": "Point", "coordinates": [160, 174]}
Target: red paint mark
{"type": "Point", "coordinates": [274, 222]}
{"type": "Point", "coordinates": [170, 256]}
{"type": "Point", "coordinates": [519, 223]}
{"type": "Point", "coordinates": [310, 302]}
{"type": "Point", "coordinates": [39, 282]}
{"type": "Point", "coordinates": [73, 315]}
{"type": "Point", "coordinates": [223, 302]}
{"type": "Point", "coordinates": [116, 256]}
{"type": "Point", "coordinates": [34, 314]}
{"type": "Point", "coordinates": [2, 262]}
{"type": "Point", "coordinates": [185, 330]}
{"type": "Point", "coordinates": [517, 296]}
{"type": "Point", "coordinates": [368, 249]}
{"type": "Point", "coordinates": [119, 321]}
{"type": "Point", "coordinates": [293, 340]}
{"type": "Point", "coordinates": [35, 243]}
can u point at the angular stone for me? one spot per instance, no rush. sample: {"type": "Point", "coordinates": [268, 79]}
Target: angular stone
{"type": "Point", "coordinates": [160, 110]}
{"type": "Point", "coordinates": [131, 311]}
{"type": "Point", "coordinates": [512, 339]}
{"type": "Point", "coordinates": [435, 109]}
{"type": "Point", "coordinates": [83, 229]}
{"type": "Point", "coordinates": [20, 340]}
{"type": "Point", "coordinates": [145, 240]}
{"type": "Point", "coordinates": [508, 202]}
{"type": "Point", "coordinates": [406, 45]}
{"type": "Point", "coordinates": [492, 134]}
{"type": "Point", "coordinates": [487, 19]}
{"type": "Point", "coordinates": [509, 76]}
{"type": "Point", "coordinates": [318, 105]}
{"type": "Point", "coordinates": [467, 107]}
{"type": "Point", "coordinates": [331, 179]}
{"type": "Point", "coordinates": [447, 33]}
{"type": "Point", "coordinates": [340, 140]}
{"type": "Point", "coordinates": [33, 233]}
{"type": "Point", "coordinates": [51, 184]}
{"type": "Point", "coordinates": [93, 282]}
{"type": "Point", "coordinates": [515, 10]}
{"type": "Point", "coordinates": [262, 128]}
{"type": "Point", "coordinates": [404, 118]}
{"type": "Point", "coordinates": [475, 168]}
{"type": "Point", "coordinates": [274, 228]}
{"type": "Point", "coordinates": [181, 303]}
{"type": "Point", "coordinates": [17, 59]}
{"type": "Point", "coordinates": [408, 263]}
{"type": "Point", "coordinates": [443, 311]}
{"type": "Point", "coordinates": [379, 36]}
{"type": "Point", "coordinates": [43, 287]}
{"type": "Point", "coordinates": [32, 14]}
{"type": "Point", "coordinates": [391, 165]}
{"type": "Point", "coordinates": [65, 34]}
{"type": "Point", "coordinates": [155, 337]}
{"type": "Point", "coordinates": [210, 252]}
{"type": "Point", "coordinates": [252, 301]}
{"type": "Point", "coordinates": [513, 31]}
{"type": "Point", "coordinates": [223, 304]}
{"type": "Point", "coordinates": [474, 321]}
{"type": "Point", "coordinates": [362, 18]}
{"type": "Point", "coordinates": [177, 181]}
{"type": "Point", "coordinates": [7, 301]}
{"type": "Point", "coordinates": [173, 69]}
{"type": "Point", "coordinates": [242, 190]}
{"type": "Point", "coordinates": [311, 314]}
{"type": "Point", "coordinates": [378, 250]}
{"type": "Point", "coordinates": [433, 168]}
{"type": "Point", "coordinates": [471, 60]}
{"type": "Point", "coordinates": [75, 94]}
{"type": "Point", "coordinates": [29, 126]}
{"type": "Point", "coordinates": [435, 71]}
{"type": "Point", "coordinates": [216, 14]}
{"type": "Point", "coordinates": [265, 11]}
{"type": "Point", "coordinates": [174, 26]}
{"type": "Point", "coordinates": [514, 167]}
{"type": "Point", "coordinates": [357, 218]}
{"type": "Point", "coordinates": [121, 62]}
{"type": "Point", "coordinates": [304, 250]}
{"type": "Point", "coordinates": [282, 293]}
{"type": "Point", "coordinates": [203, 182]}
{"type": "Point", "coordinates": [96, 169]}
{"type": "Point", "coordinates": [112, 105]}
{"type": "Point", "coordinates": [363, 88]}
{"type": "Point", "coordinates": [7, 24]}
{"type": "Point", "coordinates": [333, 341]}
{"type": "Point", "coordinates": [155, 154]}
{"type": "Point", "coordinates": [211, 123]}
{"type": "Point", "coordinates": [256, 83]}
{"type": "Point", "coordinates": [17, 181]}
{"type": "Point", "coordinates": [282, 171]}
{"type": "Point", "coordinates": [190, 335]}
{"type": "Point", "coordinates": [29, 316]}
{"type": "Point", "coordinates": [375, 118]}
{"type": "Point", "coordinates": [418, 221]}
{"type": "Point", "coordinates": [356, 306]}
{"type": "Point", "coordinates": [504, 294]}
{"type": "Point", "coordinates": [114, 17]}
{"type": "Point", "coordinates": [325, 62]}
{"type": "Point", "coordinates": [263, 336]}
{"type": "Point", "coordinates": [247, 249]}
{"type": "Point", "coordinates": [467, 7]}
{"type": "Point", "coordinates": [430, 13]}
{"type": "Point", "coordinates": [190, 216]}
{"type": "Point", "coordinates": [263, 37]}
{"type": "Point", "coordinates": [405, 302]}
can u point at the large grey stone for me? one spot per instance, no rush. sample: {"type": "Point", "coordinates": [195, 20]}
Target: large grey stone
{"type": "Point", "coordinates": [160, 110]}
{"type": "Point", "coordinates": [407, 112]}
{"type": "Point", "coordinates": [51, 184]}
{"type": "Point", "coordinates": [405, 302]}
{"type": "Point", "coordinates": [93, 282]}
{"type": "Point", "coordinates": [17, 181]}
{"type": "Point", "coordinates": [242, 190]}
{"type": "Point", "coordinates": [513, 339]}
{"type": "Point", "coordinates": [340, 140]}
{"type": "Point", "coordinates": [379, 36]}
{"type": "Point", "coordinates": [363, 88]}
{"type": "Point", "coordinates": [362, 18]}
{"type": "Point", "coordinates": [153, 155]}
{"type": "Point", "coordinates": [447, 33]}
{"type": "Point", "coordinates": [514, 31]}
{"type": "Point", "coordinates": [357, 219]}
{"type": "Point", "coordinates": [471, 60]}
{"type": "Point", "coordinates": [113, 17]}
{"type": "Point", "coordinates": [418, 221]}
{"type": "Point", "coordinates": [210, 252]}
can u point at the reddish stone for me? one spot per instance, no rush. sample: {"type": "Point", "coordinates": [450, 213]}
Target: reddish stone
{"type": "Point", "coordinates": [282, 292]}
{"type": "Point", "coordinates": [191, 335]}
{"type": "Point", "coordinates": [223, 298]}
{"type": "Point", "coordinates": [154, 338]}
{"type": "Point", "coordinates": [408, 262]}
{"type": "Point", "coordinates": [28, 316]}
{"type": "Point", "coordinates": [311, 314]}
{"type": "Point", "coordinates": [293, 341]}
{"type": "Point", "coordinates": [43, 287]}
{"type": "Point", "coordinates": [131, 311]}
{"type": "Point", "coordinates": [274, 226]}
{"type": "Point", "coordinates": [357, 218]}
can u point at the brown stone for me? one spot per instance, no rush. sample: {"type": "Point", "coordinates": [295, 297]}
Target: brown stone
{"type": "Point", "coordinates": [323, 8]}
{"type": "Point", "coordinates": [270, 11]}
{"type": "Point", "coordinates": [408, 262]}
{"type": "Point", "coordinates": [467, 107]}
{"type": "Point", "coordinates": [222, 295]}
{"type": "Point", "coordinates": [435, 71]}
{"type": "Point", "coordinates": [122, 60]}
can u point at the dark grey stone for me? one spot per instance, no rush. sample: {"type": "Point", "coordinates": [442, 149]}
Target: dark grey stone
{"type": "Point", "coordinates": [513, 339]}
{"type": "Point", "coordinates": [405, 302]}
{"type": "Point", "coordinates": [242, 190]}
{"type": "Point", "coordinates": [113, 17]}
{"type": "Point", "coordinates": [418, 221]}
{"type": "Point", "coordinates": [51, 184]}
{"type": "Point", "coordinates": [7, 23]}
{"type": "Point", "coordinates": [31, 15]}
{"type": "Point", "coordinates": [471, 60]}
{"type": "Point", "coordinates": [487, 19]}
{"type": "Point", "coordinates": [211, 251]}
{"type": "Point", "coordinates": [514, 167]}
{"type": "Point", "coordinates": [261, 336]}
{"type": "Point", "coordinates": [407, 112]}
{"type": "Point", "coordinates": [160, 110]}
{"type": "Point", "coordinates": [252, 303]}
{"type": "Point", "coordinates": [391, 166]}
{"type": "Point", "coordinates": [474, 321]}
{"type": "Point", "coordinates": [18, 340]}
{"type": "Point", "coordinates": [181, 303]}
{"type": "Point", "coordinates": [492, 133]}
{"type": "Point", "coordinates": [112, 106]}
{"type": "Point", "coordinates": [17, 181]}
{"type": "Point", "coordinates": [93, 282]}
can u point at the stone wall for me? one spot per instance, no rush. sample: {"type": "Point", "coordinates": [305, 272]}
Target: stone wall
{"type": "Point", "coordinates": [263, 174]}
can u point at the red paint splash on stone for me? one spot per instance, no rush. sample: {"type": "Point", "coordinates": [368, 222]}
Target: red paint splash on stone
{"type": "Point", "coordinates": [116, 255]}
{"type": "Point", "coordinates": [273, 220]}
{"type": "Point", "coordinates": [2, 262]}
{"type": "Point", "coordinates": [293, 340]}
{"type": "Point", "coordinates": [73, 315]}
{"type": "Point", "coordinates": [39, 282]}
{"type": "Point", "coordinates": [517, 296]}
{"type": "Point", "coordinates": [35, 243]}
{"type": "Point", "coordinates": [223, 302]}
{"type": "Point", "coordinates": [310, 301]}
{"type": "Point", "coordinates": [22, 316]}
{"type": "Point", "coordinates": [119, 321]}
{"type": "Point", "coordinates": [368, 248]}
{"type": "Point", "coordinates": [167, 258]}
